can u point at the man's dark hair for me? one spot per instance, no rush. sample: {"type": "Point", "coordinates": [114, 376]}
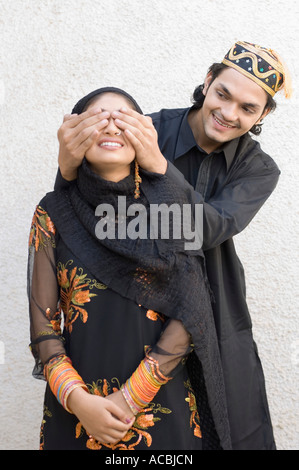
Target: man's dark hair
{"type": "Point", "coordinates": [216, 69]}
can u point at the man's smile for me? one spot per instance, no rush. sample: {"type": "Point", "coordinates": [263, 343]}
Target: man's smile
{"type": "Point", "coordinates": [222, 123]}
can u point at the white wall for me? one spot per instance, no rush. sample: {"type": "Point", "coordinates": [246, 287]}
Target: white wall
{"type": "Point", "coordinates": [52, 53]}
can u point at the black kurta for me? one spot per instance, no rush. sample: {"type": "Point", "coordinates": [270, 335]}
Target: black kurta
{"type": "Point", "coordinates": [232, 183]}
{"type": "Point", "coordinates": [105, 335]}
{"type": "Point", "coordinates": [106, 331]}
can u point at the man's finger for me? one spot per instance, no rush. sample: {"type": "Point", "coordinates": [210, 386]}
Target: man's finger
{"type": "Point", "coordinates": [87, 135]}
{"type": "Point", "coordinates": [146, 121]}
{"type": "Point", "coordinates": [135, 141]}
{"type": "Point", "coordinates": [87, 143]}
{"type": "Point", "coordinates": [137, 129]}
{"type": "Point", "coordinates": [67, 117]}
{"type": "Point", "coordinates": [95, 120]}
{"type": "Point", "coordinates": [94, 112]}
{"type": "Point", "coordinates": [133, 117]}
{"type": "Point", "coordinates": [79, 133]}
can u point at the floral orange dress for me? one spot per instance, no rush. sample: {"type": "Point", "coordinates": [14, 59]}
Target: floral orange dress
{"type": "Point", "coordinates": [105, 335]}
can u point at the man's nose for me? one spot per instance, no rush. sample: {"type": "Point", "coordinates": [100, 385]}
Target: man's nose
{"type": "Point", "coordinates": [230, 112]}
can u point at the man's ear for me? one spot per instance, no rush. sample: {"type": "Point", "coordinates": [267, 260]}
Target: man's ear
{"type": "Point", "coordinates": [207, 83]}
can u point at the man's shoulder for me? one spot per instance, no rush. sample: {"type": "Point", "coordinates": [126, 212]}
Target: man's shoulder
{"type": "Point", "coordinates": [168, 114]}
{"type": "Point", "coordinates": [251, 150]}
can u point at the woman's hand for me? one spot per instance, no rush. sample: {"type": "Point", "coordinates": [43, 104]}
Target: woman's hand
{"type": "Point", "coordinates": [118, 399]}
{"type": "Point", "coordinates": [101, 418]}
{"type": "Point", "coordinates": [76, 135]}
{"type": "Point", "coordinates": [140, 131]}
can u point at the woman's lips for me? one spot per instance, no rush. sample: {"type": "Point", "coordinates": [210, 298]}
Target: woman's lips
{"type": "Point", "coordinates": [110, 144]}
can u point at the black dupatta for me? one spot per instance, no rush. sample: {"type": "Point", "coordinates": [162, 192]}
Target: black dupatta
{"type": "Point", "coordinates": [157, 273]}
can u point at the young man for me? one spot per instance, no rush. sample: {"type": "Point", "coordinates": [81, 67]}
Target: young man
{"type": "Point", "coordinates": [208, 149]}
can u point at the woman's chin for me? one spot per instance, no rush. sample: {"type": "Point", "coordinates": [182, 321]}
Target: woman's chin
{"type": "Point", "coordinates": [110, 171]}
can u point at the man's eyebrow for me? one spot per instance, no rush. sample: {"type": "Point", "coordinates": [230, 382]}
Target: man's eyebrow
{"type": "Point", "coordinates": [248, 105]}
{"type": "Point", "coordinates": [225, 89]}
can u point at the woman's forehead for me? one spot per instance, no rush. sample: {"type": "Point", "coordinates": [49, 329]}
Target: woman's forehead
{"type": "Point", "coordinates": [109, 101]}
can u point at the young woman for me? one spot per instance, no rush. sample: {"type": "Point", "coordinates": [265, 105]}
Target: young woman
{"type": "Point", "coordinates": [121, 325]}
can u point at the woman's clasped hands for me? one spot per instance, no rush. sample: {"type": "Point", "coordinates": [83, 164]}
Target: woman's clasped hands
{"type": "Point", "coordinates": [106, 419]}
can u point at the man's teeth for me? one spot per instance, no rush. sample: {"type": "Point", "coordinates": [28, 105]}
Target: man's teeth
{"type": "Point", "coordinates": [222, 124]}
{"type": "Point", "coordinates": [110, 144]}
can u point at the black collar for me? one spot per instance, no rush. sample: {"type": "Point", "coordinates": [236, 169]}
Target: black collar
{"type": "Point", "coordinates": [186, 141]}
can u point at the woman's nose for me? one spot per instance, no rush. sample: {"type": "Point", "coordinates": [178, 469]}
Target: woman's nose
{"type": "Point", "coordinates": [112, 128]}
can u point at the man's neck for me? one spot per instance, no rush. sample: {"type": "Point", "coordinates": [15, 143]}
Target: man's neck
{"type": "Point", "coordinates": [195, 122]}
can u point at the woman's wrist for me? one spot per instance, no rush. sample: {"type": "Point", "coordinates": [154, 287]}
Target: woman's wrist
{"type": "Point", "coordinates": [143, 385]}
{"type": "Point", "coordinates": [63, 379]}
{"type": "Point", "coordinates": [118, 398]}
{"type": "Point", "coordinates": [75, 400]}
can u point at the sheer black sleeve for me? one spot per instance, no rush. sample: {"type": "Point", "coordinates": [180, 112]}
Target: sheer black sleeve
{"type": "Point", "coordinates": [160, 364]}
{"type": "Point", "coordinates": [172, 348]}
{"type": "Point", "coordinates": [43, 293]}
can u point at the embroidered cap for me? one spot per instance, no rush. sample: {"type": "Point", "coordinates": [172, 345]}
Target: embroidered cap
{"type": "Point", "coordinates": [262, 65]}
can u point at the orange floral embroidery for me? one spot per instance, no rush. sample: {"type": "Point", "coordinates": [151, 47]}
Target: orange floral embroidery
{"type": "Point", "coordinates": [72, 294]}
{"type": "Point", "coordinates": [42, 230]}
{"type": "Point", "coordinates": [47, 413]}
{"type": "Point", "coordinates": [145, 421]}
{"type": "Point", "coordinates": [138, 431]}
{"type": "Point", "coordinates": [62, 277]}
{"type": "Point", "coordinates": [92, 444]}
{"type": "Point", "coordinates": [50, 225]}
{"type": "Point", "coordinates": [105, 388]}
{"type": "Point", "coordinates": [154, 315]}
{"type": "Point", "coordinates": [55, 320]}
{"type": "Point", "coordinates": [82, 296]}
{"type": "Point", "coordinates": [194, 416]}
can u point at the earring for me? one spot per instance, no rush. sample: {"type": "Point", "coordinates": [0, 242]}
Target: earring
{"type": "Point", "coordinates": [138, 180]}
{"type": "Point", "coordinates": [118, 133]}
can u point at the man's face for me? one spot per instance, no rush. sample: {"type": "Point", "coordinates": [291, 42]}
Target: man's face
{"type": "Point", "coordinates": [233, 104]}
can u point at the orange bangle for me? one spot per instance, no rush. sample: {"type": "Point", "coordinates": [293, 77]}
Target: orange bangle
{"type": "Point", "coordinates": [62, 378]}
{"type": "Point", "coordinates": [143, 385]}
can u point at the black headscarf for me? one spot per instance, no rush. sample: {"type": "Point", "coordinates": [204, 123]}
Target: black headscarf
{"type": "Point", "coordinates": [81, 105]}
{"type": "Point", "coordinates": [156, 273]}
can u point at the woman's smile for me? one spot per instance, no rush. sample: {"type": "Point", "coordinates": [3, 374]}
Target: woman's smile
{"type": "Point", "coordinates": [110, 144]}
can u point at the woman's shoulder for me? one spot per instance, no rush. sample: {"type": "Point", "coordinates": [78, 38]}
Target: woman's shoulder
{"type": "Point", "coordinates": [42, 230]}
{"type": "Point", "coordinates": [47, 207]}
{"type": "Point", "coordinates": [51, 198]}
